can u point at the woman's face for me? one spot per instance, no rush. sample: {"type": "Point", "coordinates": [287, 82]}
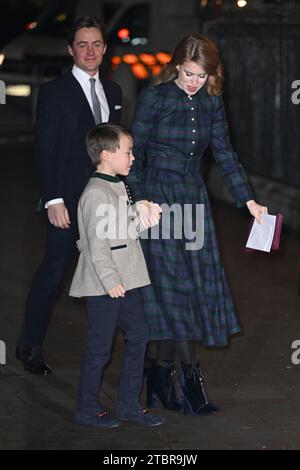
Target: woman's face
{"type": "Point", "coordinates": [191, 77]}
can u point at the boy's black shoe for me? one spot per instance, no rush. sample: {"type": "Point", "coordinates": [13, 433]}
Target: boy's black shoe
{"type": "Point", "coordinates": [134, 412]}
{"type": "Point", "coordinates": [100, 420]}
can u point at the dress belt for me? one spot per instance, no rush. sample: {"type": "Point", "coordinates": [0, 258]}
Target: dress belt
{"type": "Point", "coordinates": [181, 165]}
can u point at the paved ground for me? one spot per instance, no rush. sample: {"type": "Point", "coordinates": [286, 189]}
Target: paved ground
{"type": "Point", "coordinates": [253, 381]}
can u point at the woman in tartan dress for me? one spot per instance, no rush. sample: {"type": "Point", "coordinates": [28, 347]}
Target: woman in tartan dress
{"type": "Point", "coordinates": [189, 299]}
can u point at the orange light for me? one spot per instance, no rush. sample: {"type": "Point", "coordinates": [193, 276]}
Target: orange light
{"type": "Point", "coordinates": [148, 59]}
{"type": "Point", "coordinates": [140, 71]}
{"type": "Point", "coordinates": [163, 57]}
{"type": "Point", "coordinates": [123, 33]}
{"type": "Point", "coordinates": [130, 58]}
{"type": "Point", "coordinates": [61, 17]}
{"type": "Point", "coordinates": [116, 60]}
{"type": "Point", "coordinates": [31, 25]}
{"type": "Point", "coordinates": [156, 69]}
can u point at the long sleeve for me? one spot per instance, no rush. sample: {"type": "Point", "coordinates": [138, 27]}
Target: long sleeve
{"type": "Point", "coordinates": [96, 228]}
{"type": "Point", "coordinates": [227, 159]}
{"type": "Point", "coordinates": [142, 128]}
{"type": "Point", "coordinates": [47, 127]}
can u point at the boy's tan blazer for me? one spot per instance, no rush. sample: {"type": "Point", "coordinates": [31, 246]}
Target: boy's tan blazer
{"type": "Point", "coordinates": [108, 257]}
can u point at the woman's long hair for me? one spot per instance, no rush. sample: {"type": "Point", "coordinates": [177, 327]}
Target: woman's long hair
{"type": "Point", "coordinates": [196, 48]}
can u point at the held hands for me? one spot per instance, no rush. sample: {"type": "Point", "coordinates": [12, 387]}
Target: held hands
{"type": "Point", "coordinates": [149, 213]}
{"type": "Point", "coordinates": [117, 291]}
{"type": "Point", "coordinates": [256, 210]}
{"type": "Point", "coordinates": [58, 215]}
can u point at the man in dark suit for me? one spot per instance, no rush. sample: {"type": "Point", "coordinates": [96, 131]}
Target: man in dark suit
{"type": "Point", "coordinates": [67, 108]}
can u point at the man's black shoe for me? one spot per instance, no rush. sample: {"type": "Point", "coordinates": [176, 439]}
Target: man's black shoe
{"type": "Point", "coordinates": [33, 361]}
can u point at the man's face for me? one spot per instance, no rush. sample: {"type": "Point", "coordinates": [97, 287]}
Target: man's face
{"type": "Point", "coordinates": [88, 50]}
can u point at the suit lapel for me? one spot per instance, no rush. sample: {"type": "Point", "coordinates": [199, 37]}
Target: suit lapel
{"type": "Point", "coordinates": [110, 97]}
{"type": "Point", "coordinates": [77, 99]}
{"type": "Point", "coordinates": [78, 104]}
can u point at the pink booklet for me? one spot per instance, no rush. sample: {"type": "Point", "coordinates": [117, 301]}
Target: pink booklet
{"type": "Point", "coordinates": [275, 242]}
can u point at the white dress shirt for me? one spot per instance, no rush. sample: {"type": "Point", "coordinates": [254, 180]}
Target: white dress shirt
{"type": "Point", "coordinates": [83, 79]}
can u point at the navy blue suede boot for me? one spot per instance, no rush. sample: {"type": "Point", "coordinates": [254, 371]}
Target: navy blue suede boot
{"type": "Point", "coordinates": [161, 386]}
{"type": "Point", "coordinates": [195, 399]}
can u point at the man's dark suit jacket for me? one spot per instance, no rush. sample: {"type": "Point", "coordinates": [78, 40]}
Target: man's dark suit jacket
{"type": "Point", "coordinates": [62, 121]}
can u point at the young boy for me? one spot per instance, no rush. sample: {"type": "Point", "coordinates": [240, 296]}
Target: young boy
{"type": "Point", "coordinates": [111, 269]}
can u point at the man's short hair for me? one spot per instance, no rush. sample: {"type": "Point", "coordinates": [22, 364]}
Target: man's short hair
{"type": "Point", "coordinates": [87, 22]}
{"type": "Point", "coordinates": [104, 137]}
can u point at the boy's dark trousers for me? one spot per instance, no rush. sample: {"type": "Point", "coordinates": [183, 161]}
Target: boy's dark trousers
{"type": "Point", "coordinates": [104, 315]}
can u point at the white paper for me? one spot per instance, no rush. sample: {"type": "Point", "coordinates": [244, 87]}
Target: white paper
{"type": "Point", "coordinates": [261, 235]}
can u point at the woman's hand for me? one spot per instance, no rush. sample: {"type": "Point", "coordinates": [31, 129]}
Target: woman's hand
{"type": "Point", "coordinates": [149, 213]}
{"type": "Point", "coordinates": [256, 210]}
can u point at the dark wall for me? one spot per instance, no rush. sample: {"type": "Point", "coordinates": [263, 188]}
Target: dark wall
{"type": "Point", "coordinates": [262, 59]}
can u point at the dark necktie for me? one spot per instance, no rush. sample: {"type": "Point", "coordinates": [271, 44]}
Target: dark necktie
{"type": "Point", "coordinates": [95, 102]}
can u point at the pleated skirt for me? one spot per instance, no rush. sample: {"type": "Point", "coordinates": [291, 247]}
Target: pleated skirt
{"type": "Point", "coordinates": [189, 297]}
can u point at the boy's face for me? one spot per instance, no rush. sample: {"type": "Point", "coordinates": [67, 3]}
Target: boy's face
{"type": "Point", "coordinates": [121, 160]}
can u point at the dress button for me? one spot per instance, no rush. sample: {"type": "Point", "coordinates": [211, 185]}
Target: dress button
{"type": "Point", "coordinates": [193, 142]}
{"type": "Point", "coordinates": [194, 130]}
{"type": "Point", "coordinates": [192, 153]}
{"type": "Point", "coordinates": [192, 109]}
{"type": "Point", "coordinates": [193, 119]}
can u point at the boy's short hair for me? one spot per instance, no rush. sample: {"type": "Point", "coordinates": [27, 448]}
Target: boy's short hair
{"type": "Point", "coordinates": [104, 137]}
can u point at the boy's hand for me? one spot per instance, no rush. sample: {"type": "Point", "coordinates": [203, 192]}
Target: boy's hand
{"type": "Point", "coordinates": [58, 215]}
{"type": "Point", "coordinates": [117, 291]}
{"type": "Point", "coordinates": [149, 213]}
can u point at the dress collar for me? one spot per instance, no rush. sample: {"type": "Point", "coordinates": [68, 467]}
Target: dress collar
{"type": "Point", "coordinates": [181, 92]}
{"type": "Point", "coordinates": [104, 176]}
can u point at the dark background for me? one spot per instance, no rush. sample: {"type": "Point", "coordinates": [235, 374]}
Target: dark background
{"type": "Point", "coordinates": [259, 47]}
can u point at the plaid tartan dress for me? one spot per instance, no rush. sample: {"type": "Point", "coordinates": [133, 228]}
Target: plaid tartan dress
{"type": "Point", "coordinates": [189, 298]}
